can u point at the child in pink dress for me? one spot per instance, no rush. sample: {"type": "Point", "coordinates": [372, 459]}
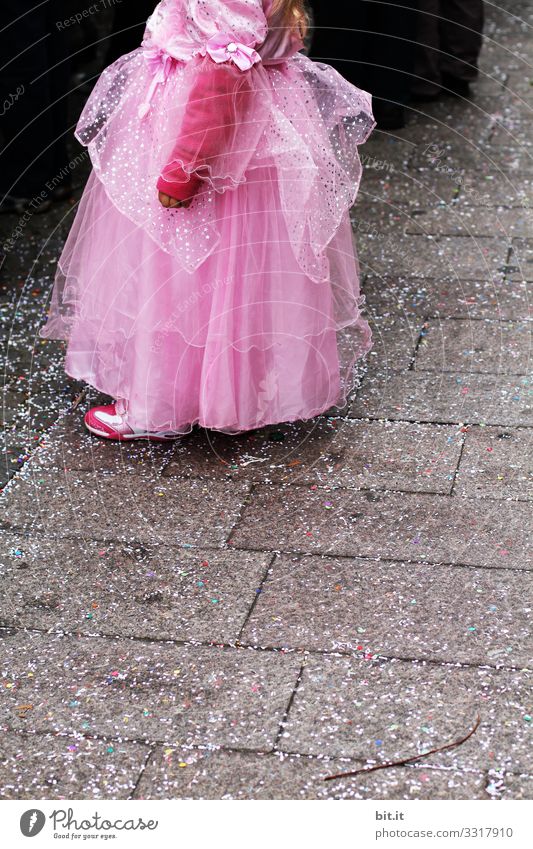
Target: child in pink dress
{"type": "Point", "coordinates": [210, 275]}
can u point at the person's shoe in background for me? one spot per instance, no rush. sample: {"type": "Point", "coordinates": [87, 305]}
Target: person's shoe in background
{"type": "Point", "coordinates": [456, 87]}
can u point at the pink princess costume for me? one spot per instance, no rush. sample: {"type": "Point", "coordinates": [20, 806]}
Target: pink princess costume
{"type": "Point", "coordinates": [243, 309]}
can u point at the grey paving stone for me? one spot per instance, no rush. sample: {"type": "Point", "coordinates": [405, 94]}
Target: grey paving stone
{"type": "Point", "coordinates": [388, 456]}
{"type": "Point", "coordinates": [338, 452]}
{"type": "Point", "coordinates": [422, 187]}
{"type": "Point", "coordinates": [499, 190]}
{"type": "Point", "coordinates": [44, 766]}
{"type": "Point", "coordinates": [520, 84]}
{"type": "Point", "coordinates": [410, 297]}
{"type": "Point", "coordinates": [464, 220]}
{"type": "Point", "coordinates": [392, 609]}
{"type": "Point", "coordinates": [398, 526]}
{"type": "Point", "coordinates": [31, 410]}
{"type": "Point", "coordinates": [279, 453]}
{"type": "Point", "coordinates": [461, 163]}
{"type": "Point", "coordinates": [466, 123]}
{"type": "Point", "coordinates": [374, 216]}
{"type": "Point", "coordinates": [186, 774]}
{"type": "Point", "coordinates": [394, 341]}
{"type": "Point", "coordinates": [503, 25]}
{"type": "Point", "coordinates": [393, 710]}
{"type": "Point", "coordinates": [386, 149]}
{"type": "Point", "coordinates": [25, 360]}
{"type": "Point", "coordinates": [69, 446]}
{"type": "Point", "coordinates": [456, 345]}
{"type": "Point", "coordinates": [157, 592]}
{"type": "Point", "coordinates": [145, 691]}
{"type": "Point", "coordinates": [522, 259]}
{"type": "Point", "coordinates": [496, 463]}
{"type": "Point", "coordinates": [515, 787]}
{"type": "Point", "coordinates": [517, 131]}
{"type": "Point", "coordinates": [118, 507]}
{"type": "Point", "coordinates": [14, 454]}
{"type": "Point", "coordinates": [419, 396]}
{"type": "Point", "coordinates": [432, 256]}
{"type": "Point", "coordinates": [454, 127]}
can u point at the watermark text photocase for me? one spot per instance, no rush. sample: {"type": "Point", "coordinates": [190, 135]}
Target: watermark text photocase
{"type": "Point", "coordinates": [11, 99]}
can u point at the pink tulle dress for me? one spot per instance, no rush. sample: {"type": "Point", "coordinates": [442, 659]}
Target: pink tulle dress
{"type": "Point", "coordinates": [243, 309]}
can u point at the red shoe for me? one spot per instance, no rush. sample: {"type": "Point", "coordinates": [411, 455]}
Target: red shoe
{"type": "Point", "coordinates": [107, 423]}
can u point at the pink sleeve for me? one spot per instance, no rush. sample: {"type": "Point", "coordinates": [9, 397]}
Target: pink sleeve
{"type": "Point", "coordinates": [217, 105]}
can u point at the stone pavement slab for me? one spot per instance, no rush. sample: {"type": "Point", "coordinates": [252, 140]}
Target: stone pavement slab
{"type": "Point", "coordinates": [388, 456]}
{"type": "Point", "coordinates": [496, 463]}
{"type": "Point", "coordinates": [519, 86]}
{"type": "Point", "coordinates": [46, 766]}
{"type": "Point", "coordinates": [522, 259]}
{"type": "Point", "coordinates": [90, 504]}
{"type": "Point", "coordinates": [475, 299]}
{"type": "Point", "coordinates": [517, 130]}
{"type": "Point", "coordinates": [186, 774]}
{"type": "Point", "coordinates": [456, 220]}
{"type": "Point", "coordinates": [445, 613]}
{"type": "Point", "coordinates": [409, 297]}
{"type": "Point", "coordinates": [425, 130]}
{"type": "Point", "coordinates": [468, 165]}
{"type": "Point", "coordinates": [397, 526]}
{"type": "Point", "coordinates": [446, 397]}
{"type": "Point", "coordinates": [394, 341]}
{"type": "Point", "coordinates": [337, 452]}
{"type": "Point", "coordinates": [436, 256]}
{"type": "Point", "coordinates": [278, 453]}
{"type": "Point", "coordinates": [427, 187]}
{"type": "Point", "coordinates": [69, 446]}
{"type": "Point", "coordinates": [382, 218]}
{"type": "Point", "coordinates": [516, 787]}
{"type": "Point", "coordinates": [498, 189]}
{"type": "Point", "coordinates": [453, 124]}
{"type": "Point", "coordinates": [384, 149]}
{"type": "Point", "coordinates": [395, 709]}
{"type": "Point", "coordinates": [156, 592]}
{"type": "Point", "coordinates": [456, 345]}
{"type": "Point", "coordinates": [148, 691]}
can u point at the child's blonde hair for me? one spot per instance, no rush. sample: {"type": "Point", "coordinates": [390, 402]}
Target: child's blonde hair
{"type": "Point", "coordinates": [294, 14]}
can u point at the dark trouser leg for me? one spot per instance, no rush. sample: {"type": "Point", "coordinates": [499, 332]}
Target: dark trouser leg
{"type": "Point", "coordinates": [370, 43]}
{"type": "Point", "coordinates": [461, 30]}
{"type": "Point", "coordinates": [337, 37]}
{"type": "Point", "coordinates": [427, 57]}
{"type": "Point", "coordinates": [388, 48]}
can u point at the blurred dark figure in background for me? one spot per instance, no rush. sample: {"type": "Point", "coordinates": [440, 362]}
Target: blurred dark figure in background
{"type": "Point", "coordinates": [84, 37]}
{"type": "Point", "coordinates": [370, 42]}
{"type": "Point", "coordinates": [449, 36]}
{"type": "Point", "coordinates": [34, 85]}
{"type": "Point", "coordinates": [128, 27]}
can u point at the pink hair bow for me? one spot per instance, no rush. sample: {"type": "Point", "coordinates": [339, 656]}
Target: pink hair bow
{"type": "Point", "coordinates": [222, 48]}
{"type": "Point", "coordinates": [159, 65]}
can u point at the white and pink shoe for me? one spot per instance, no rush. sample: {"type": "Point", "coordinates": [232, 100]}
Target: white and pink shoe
{"type": "Point", "coordinates": [108, 423]}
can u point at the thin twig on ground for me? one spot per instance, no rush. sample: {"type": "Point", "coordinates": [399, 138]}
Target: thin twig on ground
{"type": "Point", "coordinates": [411, 760]}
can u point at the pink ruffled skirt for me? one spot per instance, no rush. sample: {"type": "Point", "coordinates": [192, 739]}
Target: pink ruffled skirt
{"type": "Point", "coordinates": [238, 326]}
